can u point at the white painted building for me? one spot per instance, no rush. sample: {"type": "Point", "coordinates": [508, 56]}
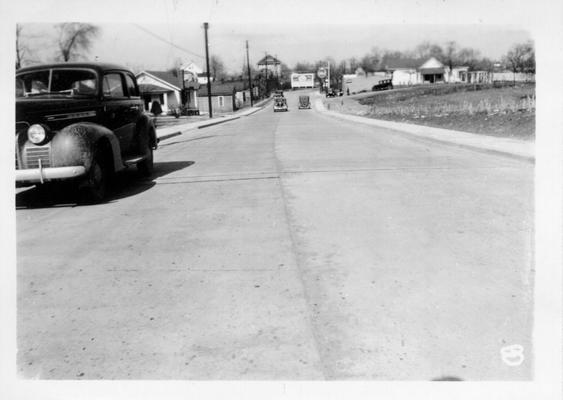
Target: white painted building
{"type": "Point", "coordinates": [166, 88]}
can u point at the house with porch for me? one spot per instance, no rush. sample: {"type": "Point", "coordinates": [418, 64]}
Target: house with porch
{"type": "Point", "coordinates": [171, 89]}
{"type": "Point", "coordinates": [416, 71]}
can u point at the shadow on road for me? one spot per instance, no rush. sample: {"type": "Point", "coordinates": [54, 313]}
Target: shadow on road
{"type": "Point", "coordinates": [125, 184]}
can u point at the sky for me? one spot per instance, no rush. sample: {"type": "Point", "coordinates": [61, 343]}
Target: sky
{"type": "Point", "coordinates": [293, 30]}
{"type": "Point", "coordinates": [157, 46]}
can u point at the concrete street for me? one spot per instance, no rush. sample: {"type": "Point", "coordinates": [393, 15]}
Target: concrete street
{"type": "Point", "coordinates": [285, 246]}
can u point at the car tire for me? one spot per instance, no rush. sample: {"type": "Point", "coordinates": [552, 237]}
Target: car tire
{"type": "Point", "coordinates": [145, 167]}
{"type": "Point", "coordinates": [95, 187]}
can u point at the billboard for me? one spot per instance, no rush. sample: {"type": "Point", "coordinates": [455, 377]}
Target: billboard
{"type": "Point", "coordinates": [302, 80]}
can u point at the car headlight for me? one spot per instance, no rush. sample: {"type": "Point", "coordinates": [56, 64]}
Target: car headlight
{"type": "Point", "coordinates": [37, 134]}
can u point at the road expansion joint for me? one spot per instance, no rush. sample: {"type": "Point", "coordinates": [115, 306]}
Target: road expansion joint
{"type": "Point", "coordinates": [298, 262]}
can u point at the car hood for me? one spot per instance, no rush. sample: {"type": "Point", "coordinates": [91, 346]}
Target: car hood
{"type": "Point", "coordinates": [53, 111]}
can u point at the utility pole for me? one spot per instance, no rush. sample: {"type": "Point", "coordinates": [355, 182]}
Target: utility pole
{"type": "Point", "coordinates": [249, 77]}
{"type": "Point", "coordinates": [266, 62]}
{"type": "Point", "coordinates": [328, 86]}
{"type": "Point", "coordinates": [206, 27]}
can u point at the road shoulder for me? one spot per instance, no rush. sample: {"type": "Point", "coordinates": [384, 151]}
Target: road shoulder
{"type": "Point", "coordinates": [513, 148]}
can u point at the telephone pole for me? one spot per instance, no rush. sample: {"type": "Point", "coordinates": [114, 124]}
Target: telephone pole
{"type": "Point", "coordinates": [328, 67]}
{"type": "Point", "coordinates": [249, 77]}
{"type": "Point", "coordinates": [266, 62]}
{"type": "Point", "coordinates": [206, 27]}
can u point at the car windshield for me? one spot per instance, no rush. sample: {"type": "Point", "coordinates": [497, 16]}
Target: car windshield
{"type": "Point", "coordinates": [62, 82]}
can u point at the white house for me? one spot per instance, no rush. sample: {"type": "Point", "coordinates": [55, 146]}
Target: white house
{"type": "Point", "coordinates": [166, 88]}
{"type": "Point", "coordinates": [271, 64]}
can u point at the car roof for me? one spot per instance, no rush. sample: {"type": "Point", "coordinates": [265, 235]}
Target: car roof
{"type": "Point", "coordinates": [92, 65]}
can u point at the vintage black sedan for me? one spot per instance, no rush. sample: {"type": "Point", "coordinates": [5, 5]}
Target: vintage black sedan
{"type": "Point", "coordinates": [81, 122]}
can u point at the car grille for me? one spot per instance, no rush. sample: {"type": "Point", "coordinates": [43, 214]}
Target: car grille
{"type": "Point", "coordinates": [36, 153]}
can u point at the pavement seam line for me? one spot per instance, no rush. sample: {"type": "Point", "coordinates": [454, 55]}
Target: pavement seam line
{"type": "Point", "coordinates": [297, 260]}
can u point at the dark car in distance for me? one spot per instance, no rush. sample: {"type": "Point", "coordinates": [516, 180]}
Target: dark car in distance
{"type": "Point", "coordinates": [80, 122]}
{"type": "Point", "coordinates": [304, 102]}
{"type": "Point", "coordinates": [280, 104]}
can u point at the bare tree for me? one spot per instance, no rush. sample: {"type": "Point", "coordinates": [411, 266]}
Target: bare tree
{"type": "Point", "coordinates": [521, 58]}
{"type": "Point", "coordinates": [21, 49]}
{"type": "Point", "coordinates": [470, 58]}
{"type": "Point", "coordinates": [370, 61]}
{"type": "Point", "coordinates": [427, 50]}
{"type": "Point", "coordinates": [217, 68]}
{"type": "Point", "coordinates": [75, 37]}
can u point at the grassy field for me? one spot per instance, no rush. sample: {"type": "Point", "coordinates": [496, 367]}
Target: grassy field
{"type": "Point", "coordinates": [507, 111]}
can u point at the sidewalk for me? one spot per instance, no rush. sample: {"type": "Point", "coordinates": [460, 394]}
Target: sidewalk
{"type": "Point", "coordinates": [175, 130]}
{"type": "Point", "coordinates": [514, 148]}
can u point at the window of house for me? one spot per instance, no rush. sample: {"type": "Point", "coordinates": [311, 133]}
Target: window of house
{"type": "Point", "coordinates": [221, 101]}
{"type": "Point", "coordinates": [113, 87]}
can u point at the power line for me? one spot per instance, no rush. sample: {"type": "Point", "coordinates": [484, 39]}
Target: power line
{"type": "Point", "coordinates": [167, 41]}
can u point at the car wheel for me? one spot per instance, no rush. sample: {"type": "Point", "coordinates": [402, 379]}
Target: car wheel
{"type": "Point", "coordinates": [94, 188]}
{"type": "Point", "coordinates": [146, 166]}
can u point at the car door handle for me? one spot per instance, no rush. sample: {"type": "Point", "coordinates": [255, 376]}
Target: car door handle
{"type": "Point", "coordinates": [134, 108]}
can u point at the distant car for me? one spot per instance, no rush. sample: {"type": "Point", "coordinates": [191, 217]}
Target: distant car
{"type": "Point", "coordinates": [280, 104]}
{"type": "Point", "coordinates": [80, 122]}
{"type": "Point", "coordinates": [330, 93]}
{"type": "Point", "coordinates": [278, 93]}
{"type": "Point", "coordinates": [304, 102]}
{"type": "Point", "coordinates": [384, 84]}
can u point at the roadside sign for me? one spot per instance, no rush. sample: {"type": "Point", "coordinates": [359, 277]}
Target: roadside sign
{"type": "Point", "coordinates": [321, 73]}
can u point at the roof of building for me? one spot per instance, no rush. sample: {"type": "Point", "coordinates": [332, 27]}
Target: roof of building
{"type": "Point", "coordinates": [171, 78]}
{"type": "Point", "coordinates": [149, 88]}
{"type": "Point", "coordinates": [432, 64]}
{"type": "Point", "coordinates": [390, 63]}
{"type": "Point", "coordinates": [268, 60]}
{"type": "Point", "coordinates": [223, 89]}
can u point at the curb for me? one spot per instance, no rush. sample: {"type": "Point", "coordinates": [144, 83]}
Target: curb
{"type": "Point", "coordinates": [217, 122]}
{"type": "Point", "coordinates": [212, 123]}
{"type": "Point", "coordinates": [404, 130]}
{"type": "Point", "coordinates": [168, 135]}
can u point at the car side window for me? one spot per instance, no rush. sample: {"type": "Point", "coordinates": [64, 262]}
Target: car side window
{"type": "Point", "coordinates": [131, 87]}
{"type": "Point", "coordinates": [113, 86]}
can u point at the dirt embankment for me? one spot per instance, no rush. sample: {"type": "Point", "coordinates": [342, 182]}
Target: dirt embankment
{"type": "Point", "coordinates": [507, 111]}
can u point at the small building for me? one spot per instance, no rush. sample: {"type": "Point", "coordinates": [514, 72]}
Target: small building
{"type": "Point", "coordinates": [432, 71]}
{"type": "Point", "coordinates": [167, 88]}
{"type": "Point", "coordinates": [225, 97]}
{"type": "Point", "coordinates": [416, 71]}
{"type": "Point", "coordinates": [404, 71]}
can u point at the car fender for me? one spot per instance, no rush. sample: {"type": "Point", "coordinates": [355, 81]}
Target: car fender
{"type": "Point", "coordinates": [146, 124]}
{"type": "Point", "coordinates": [75, 145]}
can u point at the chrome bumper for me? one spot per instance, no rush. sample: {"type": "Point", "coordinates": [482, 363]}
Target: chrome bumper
{"type": "Point", "coordinates": [47, 174]}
